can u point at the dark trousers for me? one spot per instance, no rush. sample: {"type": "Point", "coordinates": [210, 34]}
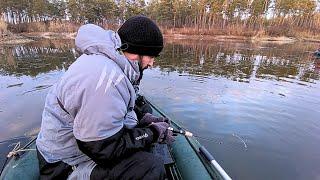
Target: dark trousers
{"type": "Point", "coordinates": [141, 165]}
{"type": "Point", "coordinates": [58, 170]}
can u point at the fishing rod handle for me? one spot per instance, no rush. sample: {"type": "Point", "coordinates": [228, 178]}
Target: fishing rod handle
{"type": "Point", "coordinates": [186, 133]}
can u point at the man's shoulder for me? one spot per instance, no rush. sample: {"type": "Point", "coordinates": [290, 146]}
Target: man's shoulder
{"type": "Point", "coordinates": [93, 59]}
{"type": "Point", "coordinates": [94, 71]}
{"type": "Point", "coordinates": [93, 64]}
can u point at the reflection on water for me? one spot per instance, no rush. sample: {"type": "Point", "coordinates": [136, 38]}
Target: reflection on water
{"type": "Point", "coordinates": [259, 102]}
{"type": "Point", "coordinates": [249, 62]}
{"type": "Point", "coordinates": [218, 59]}
{"type": "Point", "coordinates": [27, 71]}
{"type": "Point", "coordinates": [34, 59]}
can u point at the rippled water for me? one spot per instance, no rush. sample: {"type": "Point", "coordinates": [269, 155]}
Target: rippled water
{"type": "Point", "coordinates": [259, 103]}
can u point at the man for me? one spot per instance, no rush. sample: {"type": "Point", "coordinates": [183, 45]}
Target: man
{"type": "Point", "coordinates": [89, 127]}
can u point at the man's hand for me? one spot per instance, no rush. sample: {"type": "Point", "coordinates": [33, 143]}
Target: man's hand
{"type": "Point", "coordinates": [164, 135]}
{"type": "Point", "coordinates": [149, 118]}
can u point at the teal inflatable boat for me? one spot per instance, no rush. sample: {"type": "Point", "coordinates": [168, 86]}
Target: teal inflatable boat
{"type": "Point", "coordinates": [188, 159]}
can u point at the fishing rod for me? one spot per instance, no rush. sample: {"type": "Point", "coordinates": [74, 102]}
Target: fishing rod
{"type": "Point", "coordinates": [183, 132]}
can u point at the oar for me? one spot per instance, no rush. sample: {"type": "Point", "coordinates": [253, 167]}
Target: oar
{"type": "Point", "coordinates": [210, 158]}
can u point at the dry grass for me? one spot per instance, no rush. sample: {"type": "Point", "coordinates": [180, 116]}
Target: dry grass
{"type": "Point", "coordinates": [277, 27]}
{"type": "Point", "coordinates": [3, 28]}
{"type": "Point", "coordinates": [52, 26]}
{"type": "Point", "coordinates": [63, 27]}
{"type": "Point", "coordinates": [233, 30]}
{"type": "Point", "coordinates": [298, 27]}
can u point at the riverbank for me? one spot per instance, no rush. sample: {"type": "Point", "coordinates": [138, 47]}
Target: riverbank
{"type": "Point", "coordinates": [12, 39]}
{"type": "Point", "coordinates": [257, 38]}
{"type": "Point", "coordinates": [23, 38]}
{"type": "Point", "coordinates": [280, 39]}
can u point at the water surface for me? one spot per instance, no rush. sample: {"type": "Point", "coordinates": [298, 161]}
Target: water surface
{"type": "Point", "coordinates": [259, 103]}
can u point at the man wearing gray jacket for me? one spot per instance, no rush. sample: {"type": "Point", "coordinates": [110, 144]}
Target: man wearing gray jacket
{"type": "Point", "coordinates": [89, 128]}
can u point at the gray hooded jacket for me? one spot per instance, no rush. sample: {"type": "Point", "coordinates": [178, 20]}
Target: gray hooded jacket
{"type": "Point", "coordinates": [97, 95]}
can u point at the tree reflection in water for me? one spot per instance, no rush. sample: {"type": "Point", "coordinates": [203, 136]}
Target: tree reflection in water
{"type": "Point", "coordinates": [35, 58]}
{"type": "Point", "coordinates": [241, 61]}
{"type": "Point", "coordinates": [233, 60]}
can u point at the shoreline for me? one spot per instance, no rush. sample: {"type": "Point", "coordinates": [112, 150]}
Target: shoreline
{"type": "Point", "coordinates": [23, 38]}
{"type": "Point", "coordinates": [268, 39]}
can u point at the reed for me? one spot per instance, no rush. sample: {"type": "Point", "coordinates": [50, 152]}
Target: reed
{"type": "Point", "coordinates": [62, 26]}
{"type": "Point", "coordinates": [48, 26]}
{"type": "Point", "coordinates": [3, 28]}
{"type": "Point", "coordinates": [298, 27]}
{"type": "Point", "coordinates": [234, 30]}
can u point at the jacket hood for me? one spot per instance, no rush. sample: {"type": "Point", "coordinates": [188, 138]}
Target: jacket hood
{"type": "Point", "coordinates": [92, 39]}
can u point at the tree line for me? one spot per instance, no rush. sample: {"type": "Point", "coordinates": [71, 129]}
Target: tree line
{"type": "Point", "coordinates": [198, 14]}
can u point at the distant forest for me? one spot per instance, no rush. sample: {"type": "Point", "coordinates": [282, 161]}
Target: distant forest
{"type": "Point", "coordinates": [233, 17]}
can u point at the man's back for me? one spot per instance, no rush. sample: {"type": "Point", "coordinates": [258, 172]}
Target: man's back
{"type": "Point", "coordinates": [79, 92]}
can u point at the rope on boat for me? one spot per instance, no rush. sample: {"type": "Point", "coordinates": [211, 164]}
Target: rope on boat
{"type": "Point", "coordinates": [14, 152]}
{"type": "Point", "coordinates": [17, 149]}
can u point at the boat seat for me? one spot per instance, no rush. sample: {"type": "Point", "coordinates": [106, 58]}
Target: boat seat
{"type": "Point", "coordinates": [162, 150]}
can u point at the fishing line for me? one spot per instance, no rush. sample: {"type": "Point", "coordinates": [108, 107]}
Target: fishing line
{"type": "Point", "coordinates": [208, 139]}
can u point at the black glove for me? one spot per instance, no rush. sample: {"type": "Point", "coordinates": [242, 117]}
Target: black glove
{"type": "Point", "coordinates": [162, 134]}
{"type": "Point", "coordinates": [142, 107]}
{"type": "Point", "coordinates": [149, 118]}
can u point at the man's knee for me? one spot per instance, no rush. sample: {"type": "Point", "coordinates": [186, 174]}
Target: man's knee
{"type": "Point", "coordinates": [150, 166]}
{"type": "Point", "coordinates": [141, 165]}
{"type": "Point", "coordinates": [149, 160]}
{"type": "Point", "coordinates": [99, 172]}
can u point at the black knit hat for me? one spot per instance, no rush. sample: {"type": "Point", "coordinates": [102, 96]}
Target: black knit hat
{"type": "Point", "coordinates": [140, 35]}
